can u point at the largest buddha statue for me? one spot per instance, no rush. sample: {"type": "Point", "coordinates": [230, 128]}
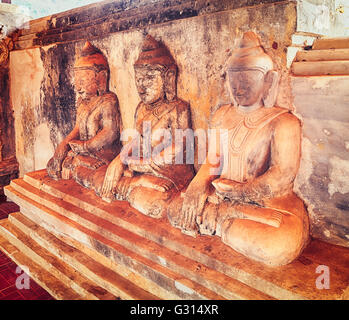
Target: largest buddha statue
{"type": "Point", "coordinates": [243, 193]}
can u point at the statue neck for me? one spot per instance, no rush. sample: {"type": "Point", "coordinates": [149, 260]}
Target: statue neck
{"type": "Point", "coordinates": [248, 109]}
{"type": "Point", "coordinates": [155, 104]}
{"type": "Point", "coordinates": [257, 105]}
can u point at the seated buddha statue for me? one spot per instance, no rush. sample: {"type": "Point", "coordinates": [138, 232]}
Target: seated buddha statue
{"type": "Point", "coordinates": [94, 140]}
{"type": "Point", "coordinates": [243, 193]}
{"type": "Point", "coordinates": [150, 176]}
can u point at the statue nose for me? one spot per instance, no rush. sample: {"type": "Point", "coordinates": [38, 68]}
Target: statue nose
{"type": "Point", "coordinates": [239, 91]}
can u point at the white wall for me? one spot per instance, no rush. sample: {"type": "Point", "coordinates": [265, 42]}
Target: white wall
{"type": "Point", "coordinates": [42, 8]}
{"type": "Point", "coordinates": [326, 17]}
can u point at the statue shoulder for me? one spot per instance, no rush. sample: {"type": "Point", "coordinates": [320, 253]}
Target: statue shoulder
{"type": "Point", "coordinates": [218, 115]}
{"type": "Point", "coordinates": [110, 98]}
{"type": "Point", "coordinates": [139, 109]}
{"type": "Point", "coordinates": [287, 119]}
{"type": "Point", "coordinates": [181, 105]}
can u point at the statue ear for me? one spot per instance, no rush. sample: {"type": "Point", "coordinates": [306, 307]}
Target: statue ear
{"type": "Point", "coordinates": [270, 91]}
{"type": "Point", "coordinates": [170, 86]}
{"type": "Point", "coordinates": [102, 81]}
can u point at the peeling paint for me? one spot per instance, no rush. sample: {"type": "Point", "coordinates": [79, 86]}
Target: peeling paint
{"type": "Point", "coordinates": [183, 288]}
{"type": "Point", "coordinates": [162, 261]}
{"type": "Point", "coordinates": [339, 175]}
{"type": "Point", "coordinates": [327, 132]}
{"type": "Point", "coordinates": [321, 83]}
{"type": "Point", "coordinates": [346, 144]}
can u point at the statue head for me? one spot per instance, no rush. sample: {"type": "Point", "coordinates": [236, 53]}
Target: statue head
{"type": "Point", "coordinates": [91, 72]}
{"type": "Point", "coordinates": [155, 72]}
{"type": "Point", "coordinates": [251, 78]}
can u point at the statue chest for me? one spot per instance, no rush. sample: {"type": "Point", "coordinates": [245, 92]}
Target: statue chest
{"type": "Point", "coordinates": [89, 119]}
{"type": "Point", "coordinates": [90, 125]}
{"type": "Point", "coordinates": [247, 144]}
{"type": "Point", "coordinates": [155, 125]}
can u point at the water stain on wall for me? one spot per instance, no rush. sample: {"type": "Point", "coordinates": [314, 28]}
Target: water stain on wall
{"type": "Point", "coordinates": [57, 105]}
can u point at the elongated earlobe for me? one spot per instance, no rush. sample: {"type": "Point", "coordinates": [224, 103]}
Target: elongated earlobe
{"type": "Point", "coordinates": [271, 84]}
{"type": "Point", "coordinates": [102, 82]}
{"type": "Point", "coordinates": [170, 84]}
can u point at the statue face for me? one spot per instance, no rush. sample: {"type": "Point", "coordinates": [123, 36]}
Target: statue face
{"type": "Point", "coordinates": [246, 86]}
{"type": "Point", "coordinates": [85, 82]}
{"type": "Point", "coordinates": [150, 84]}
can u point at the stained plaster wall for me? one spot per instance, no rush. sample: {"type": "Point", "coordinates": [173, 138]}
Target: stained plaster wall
{"type": "Point", "coordinates": [44, 100]}
{"type": "Point", "coordinates": [7, 141]}
{"type": "Point", "coordinates": [323, 178]}
{"type": "Point", "coordinates": [322, 104]}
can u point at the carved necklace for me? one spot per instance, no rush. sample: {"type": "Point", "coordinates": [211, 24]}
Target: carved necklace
{"type": "Point", "coordinates": [155, 108]}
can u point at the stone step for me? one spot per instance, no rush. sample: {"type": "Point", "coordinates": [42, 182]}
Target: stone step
{"type": "Point", "coordinates": [46, 280]}
{"type": "Point", "coordinates": [54, 222]}
{"type": "Point", "coordinates": [87, 289]}
{"type": "Point", "coordinates": [108, 279]}
{"type": "Point", "coordinates": [318, 68]}
{"type": "Point", "coordinates": [84, 258]}
{"type": "Point", "coordinates": [62, 247]}
{"type": "Point", "coordinates": [331, 43]}
{"type": "Point", "coordinates": [293, 281]}
{"type": "Point", "coordinates": [323, 55]}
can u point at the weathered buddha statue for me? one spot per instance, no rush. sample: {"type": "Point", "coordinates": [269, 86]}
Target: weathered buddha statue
{"type": "Point", "coordinates": [146, 174]}
{"type": "Point", "coordinates": [95, 138]}
{"type": "Point", "coordinates": [243, 192]}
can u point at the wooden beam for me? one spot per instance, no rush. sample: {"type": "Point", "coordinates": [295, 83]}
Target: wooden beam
{"type": "Point", "coordinates": [323, 55]}
{"type": "Point", "coordinates": [319, 68]}
{"type": "Point", "coordinates": [331, 43]}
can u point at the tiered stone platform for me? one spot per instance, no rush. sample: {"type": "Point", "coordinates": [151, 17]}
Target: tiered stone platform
{"type": "Point", "coordinates": [79, 247]}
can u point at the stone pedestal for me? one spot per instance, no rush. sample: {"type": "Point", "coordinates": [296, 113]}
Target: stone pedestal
{"type": "Point", "coordinates": [65, 230]}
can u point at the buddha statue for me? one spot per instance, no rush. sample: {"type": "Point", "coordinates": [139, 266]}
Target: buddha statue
{"type": "Point", "coordinates": [243, 193]}
{"type": "Point", "coordinates": [94, 140]}
{"type": "Point", "coordinates": [149, 177]}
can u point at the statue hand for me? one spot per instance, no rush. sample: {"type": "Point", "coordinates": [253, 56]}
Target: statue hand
{"type": "Point", "coordinates": [111, 179]}
{"type": "Point", "coordinates": [227, 188]}
{"type": "Point", "coordinates": [77, 146]}
{"type": "Point", "coordinates": [54, 166]}
{"type": "Point", "coordinates": [193, 205]}
{"type": "Point", "coordinates": [53, 169]}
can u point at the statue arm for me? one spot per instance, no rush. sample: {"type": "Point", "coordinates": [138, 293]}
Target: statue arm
{"type": "Point", "coordinates": [54, 166]}
{"type": "Point", "coordinates": [279, 178]}
{"type": "Point", "coordinates": [200, 188]}
{"type": "Point", "coordinates": [116, 169]}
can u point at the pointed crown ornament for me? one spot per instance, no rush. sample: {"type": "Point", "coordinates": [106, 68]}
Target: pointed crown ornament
{"type": "Point", "coordinates": [91, 58]}
{"type": "Point", "coordinates": [155, 53]}
{"type": "Point", "coordinates": [250, 55]}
